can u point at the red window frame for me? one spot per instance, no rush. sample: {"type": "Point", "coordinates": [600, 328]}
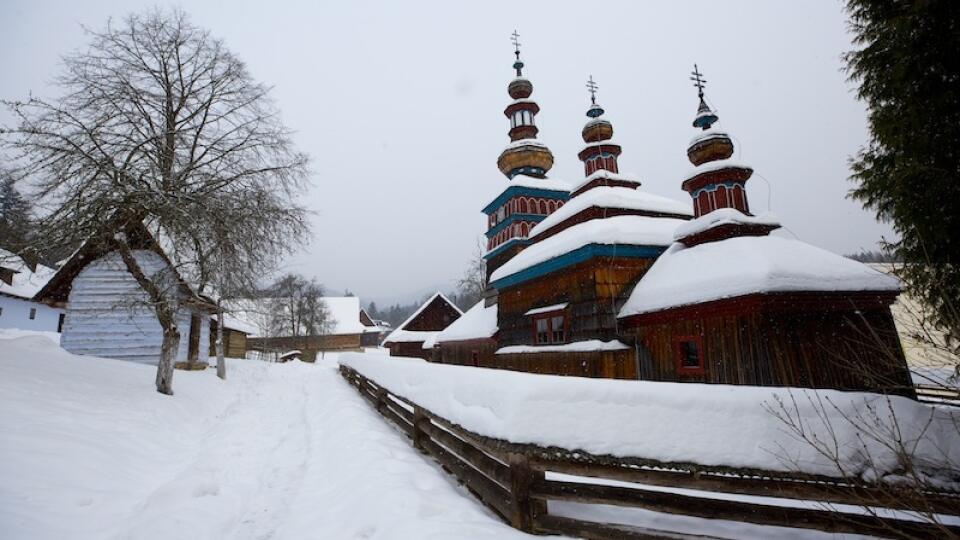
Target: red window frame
{"type": "Point", "coordinates": [678, 355]}
{"type": "Point", "coordinates": [551, 330]}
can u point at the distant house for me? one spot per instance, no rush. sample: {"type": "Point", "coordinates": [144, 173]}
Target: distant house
{"type": "Point", "coordinates": [19, 281]}
{"type": "Point", "coordinates": [107, 313]}
{"type": "Point", "coordinates": [372, 332]}
{"type": "Point", "coordinates": [235, 332]}
{"type": "Point", "coordinates": [417, 335]}
{"type": "Point", "coordinates": [346, 330]}
{"type": "Point", "coordinates": [469, 340]}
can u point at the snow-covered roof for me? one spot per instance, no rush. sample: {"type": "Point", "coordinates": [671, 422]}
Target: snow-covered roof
{"type": "Point", "coordinates": [478, 322]}
{"type": "Point", "coordinates": [345, 311]}
{"type": "Point", "coordinates": [547, 309]}
{"type": "Point", "coordinates": [555, 184]}
{"type": "Point", "coordinates": [233, 322]}
{"type": "Point", "coordinates": [603, 173]}
{"type": "Point", "coordinates": [590, 345]}
{"type": "Point", "coordinates": [409, 336]}
{"type": "Point", "coordinates": [723, 216]}
{"type": "Point", "coordinates": [612, 197]}
{"type": "Point", "coordinates": [26, 283]}
{"type": "Point", "coordinates": [405, 336]}
{"type": "Point", "coordinates": [747, 265]}
{"type": "Point", "coordinates": [254, 315]}
{"type": "Point", "coordinates": [628, 230]}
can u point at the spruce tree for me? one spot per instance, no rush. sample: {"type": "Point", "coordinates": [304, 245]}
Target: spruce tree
{"type": "Point", "coordinates": [907, 64]}
{"type": "Point", "coordinates": [15, 214]}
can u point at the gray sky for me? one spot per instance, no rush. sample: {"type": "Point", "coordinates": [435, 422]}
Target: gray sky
{"type": "Point", "coordinates": [400, 106]}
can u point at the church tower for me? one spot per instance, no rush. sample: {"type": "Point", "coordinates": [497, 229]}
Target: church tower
{"type": "Point", "coordinates": [716, 182]}
{"type": "Point", "coordinates": [530, 195]}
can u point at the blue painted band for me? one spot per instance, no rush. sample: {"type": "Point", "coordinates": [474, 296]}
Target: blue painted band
{"type": "Point", "coordinates": [577, 256]}
{"type": "Point", "coordinates": [507, 221]}
{"type": "Point", "coordinates": [502, 247]}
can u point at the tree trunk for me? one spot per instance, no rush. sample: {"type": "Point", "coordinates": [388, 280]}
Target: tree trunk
{"type": "Point", "coordinates": [168, 354]}
{"type": "Point", "coordinates": [221, 363]}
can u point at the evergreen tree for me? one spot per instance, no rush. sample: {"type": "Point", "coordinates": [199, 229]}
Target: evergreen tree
{"type": "Point", "coordinates": [15, 214]}
{"type": "Point", "coordinates": [908, 67]}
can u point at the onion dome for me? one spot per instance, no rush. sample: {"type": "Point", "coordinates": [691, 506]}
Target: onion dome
{"type": "Point", "coordinates": [525, 154]}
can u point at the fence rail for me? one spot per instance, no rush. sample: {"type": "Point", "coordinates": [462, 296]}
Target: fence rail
{"type": "Point", "coordinates": [511, 479]}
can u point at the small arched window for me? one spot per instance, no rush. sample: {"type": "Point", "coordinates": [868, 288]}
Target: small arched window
{"type": "Point", "coordinates": [524, 229]}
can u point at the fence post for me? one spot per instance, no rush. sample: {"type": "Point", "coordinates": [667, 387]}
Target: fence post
{"type": "Point", "coordinates": [381, 398]}
{"type": "Point", "coordinates": [525, 508]}
{"type": "Point", "coordinates": [419, 417]}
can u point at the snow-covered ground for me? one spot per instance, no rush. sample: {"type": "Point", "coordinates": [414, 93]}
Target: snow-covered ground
{"type": "Point", "coordinates": [88, 449]}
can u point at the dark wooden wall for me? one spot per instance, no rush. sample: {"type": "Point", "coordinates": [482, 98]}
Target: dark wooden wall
{"type": "Point", "coordinates": [594, 289]}
{"type": "Point", "coordinates": [603, 364]}
{"type": "Point", "coordinates": [413, 349]}
{"type": "Point", "coordinates": [841, 349]}
{"type": "Point", "coordinates": [310, 346]}
{"type": "Point", "coordinates": [234, 342]}
{"type": "Point", "coordinates": [461, 353]}
{"type": "Point", "coordinates": [436, 316]}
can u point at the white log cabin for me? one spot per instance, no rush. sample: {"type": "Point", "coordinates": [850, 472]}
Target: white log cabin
{"type": "Point", "coordinates": [107, 313]}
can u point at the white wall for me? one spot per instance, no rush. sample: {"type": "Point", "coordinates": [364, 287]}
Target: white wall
{"type": "Point", "coordinates": [107, 314]}
{"type": "Point", "coordinates": [15, 313]}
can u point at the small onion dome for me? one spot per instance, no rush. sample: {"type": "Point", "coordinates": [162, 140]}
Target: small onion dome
{"type": "Point", "coordinates": [595, 111]}
{"type": "Point", "coordinates": [526, 156]}
{"type": "Point", "coordinates": [709, 146]}
{"type": "Point", "coordinates": [597, 130]}
{"type": "Point", "coordinates": [705, 117]}
{"type": "Point", "coordinates": [520, 88]}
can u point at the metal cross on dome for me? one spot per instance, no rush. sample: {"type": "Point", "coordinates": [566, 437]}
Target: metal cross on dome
{"type": "Point", "coordinates": [515, 39]}
{"type": "Point", "coordinates": [592, 87]}
{"type": "Point", "coordinates": [698, 80]}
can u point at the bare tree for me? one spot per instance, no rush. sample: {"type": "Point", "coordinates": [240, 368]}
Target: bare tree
{"type": "Point", "coordinates": [297, 309]}
{"type": "Point", "coordinates": [471, 285]}
{"type": "Point", "coordinates": [160, 124]}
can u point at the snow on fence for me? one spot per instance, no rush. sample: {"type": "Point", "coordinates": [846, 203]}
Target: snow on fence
{"type": "Point", "coordinates": [504, 436]}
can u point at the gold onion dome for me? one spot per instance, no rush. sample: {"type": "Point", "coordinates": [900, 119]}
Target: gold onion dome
{"type": "Point", "coordinates": [520, 88]}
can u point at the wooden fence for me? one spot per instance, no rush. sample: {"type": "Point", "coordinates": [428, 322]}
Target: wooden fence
{"type": "Point", "coordinates": [511, 480]}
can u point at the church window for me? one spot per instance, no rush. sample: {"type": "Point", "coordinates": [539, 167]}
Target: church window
{"type": "Point", "coordinates": [33, 313]}
{"type": "Point", "coordinates": [524, 230]}
{"type": "Point", "coordinates": [542, 206]}
{"type": "Point", "coordinates": [543, 330]}
{"type": "Point", "coordinates": [550, 328]}
{"type": "Point", "coordinates": [688, 352]}
{"type": "Point", "coordinates": [500, 214]}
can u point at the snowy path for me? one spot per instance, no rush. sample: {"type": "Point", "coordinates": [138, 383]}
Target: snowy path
{"type": "Point", "coordinates": [88, 450]}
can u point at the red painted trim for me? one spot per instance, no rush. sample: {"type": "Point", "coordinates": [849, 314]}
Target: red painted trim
{"type": "Point", "coordinates": [768, 302]}
{"type": "Point", "coordinates": [678, 356]}
{"type": "Point", "coordinates": [728, 230]}
{"type": "Point", "coordinates": [524, 106]}
{"type": "Point", "coordinates": [726, 174]}
{"type": "Point", "coordinates": [590, 152]}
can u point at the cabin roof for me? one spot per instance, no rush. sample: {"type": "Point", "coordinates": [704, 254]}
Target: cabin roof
{"type": "Point", "coordinates": [656, 232]}
{"type": "Point", "coordinates": [478, 322]}
{"type": "Point", "coordinates": [57, 289]}
{"type": "Point", "coordinates": [747, 265]}
{"type": "Point", "coordinates": [25, 283]}
{"type": "Point", "coordinates": [402, 335]}
{"type": "Point", "coordinates": [612, 197]}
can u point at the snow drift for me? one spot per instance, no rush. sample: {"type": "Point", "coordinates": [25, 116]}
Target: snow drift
{"type": "Point", "coordinates": [713, 425]}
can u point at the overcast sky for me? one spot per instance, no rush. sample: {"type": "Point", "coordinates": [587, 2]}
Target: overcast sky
{"type": "Point", "coordinates": [400, 106]}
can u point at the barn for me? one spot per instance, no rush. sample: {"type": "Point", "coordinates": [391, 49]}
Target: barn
{"type": "Point", "coordinates": [235, 332]}
{"type": "Point", "coordinates": [417, 335]}
{"type": "Point", "coordinates": [107, 314]}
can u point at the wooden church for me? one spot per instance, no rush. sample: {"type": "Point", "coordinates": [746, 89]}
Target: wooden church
{"type": "Point", "coordinates": [602, 279]}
